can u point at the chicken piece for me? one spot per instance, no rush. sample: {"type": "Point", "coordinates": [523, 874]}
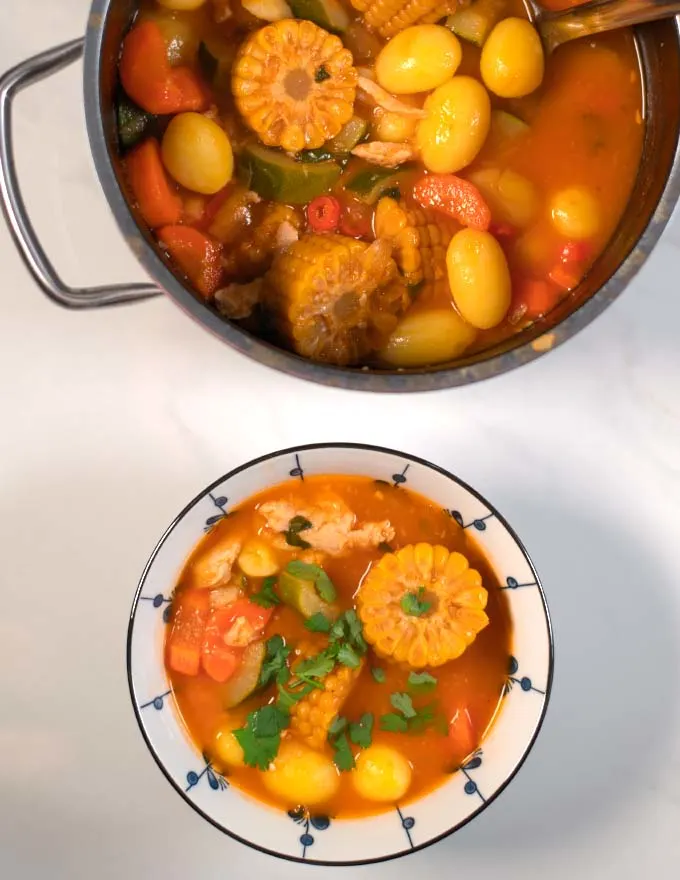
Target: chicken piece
{"type": "Point", "coordinates": [238, 301]}
{"type": "Point", "coordinates": [334, 528]}
{"type": "Point", "coordinates": [213, 568]}
{"type": "Point", "coordinates": [223, 596]}
{"type": "Point", "coordinates": [385, 154]}
{"type": "Point", "coordinates": [384, 99]}
{"type": "Point", "coordinates": [253, 255]}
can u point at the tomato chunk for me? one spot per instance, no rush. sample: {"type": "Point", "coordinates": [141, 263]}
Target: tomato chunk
{"type": "Point", "coordinates": [455, 197]}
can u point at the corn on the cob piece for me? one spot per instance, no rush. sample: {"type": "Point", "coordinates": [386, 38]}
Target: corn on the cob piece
{"type": "Point", "coordinates": [333, 298]}
{"type": "Point", "coordinates": [419, 239]}
{"type": "Point", "coordinates": [253, 255]}
{"type": "Point", "coordinates": [388, 17]}
{"type": "Point", "coordinates": [294, 84]}
{"type": "Point", "coordinates": [314, 714]}
{"type": "Point", "coordinates": [450, 612]}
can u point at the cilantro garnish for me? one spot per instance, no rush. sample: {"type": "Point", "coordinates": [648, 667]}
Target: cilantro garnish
{"type": "Point", "coordinates": [321, 74]}
{"type": "Point", "coordinates": [407, 718]}
{"type": "Point", "coordinates": [274, 667]}
{"type": "Point", "coordinates": [261, 736]}
{"type": "Point", "coordinates": [318, 666]}
{"type": "Point", "coordinates": [342, 754]}
{"type": "Point", "coordinates": [337, 726]}
{"type": "Point", "coordinates": [318, 623]}
{"type": "Point", "coordinates": [295, 526]}
{"type": "Point", "coordinates": [421, 682]}
{"type": "Point", "coordinates": [414, 604]}
{"type": "Point", "coordinates": [378, 674]}
{"type": "Point", "coordinates": [403, 703]}
{"type": "Point", "coordinates": [384, 547]}
{"type": "Point", "coordinates": [361, 731]}
{"type": "Point", "coordinates": [348, 656]}
{"type": "Point", "coordinates": [309, 572]}
{"type": "Point", "coordinates": [393, 723]}
{"type": "Point", "coordinates": [266, 597]}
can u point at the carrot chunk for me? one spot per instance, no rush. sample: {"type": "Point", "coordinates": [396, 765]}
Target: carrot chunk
{"type": "Point", "coordinates": [188, 628]}
{"type": "Point", "coordinates": [198, 256]}
{"type": "Point", "coordinates": [462, 734]}
{"type": "Point", "coordinates": [455, 197]}
{"type": "Point", "coordinates": [159, 203]}
{"type": "Point", "coordinates": [149, 79]}
{"type": "Point", "coordinates": [532, 298]}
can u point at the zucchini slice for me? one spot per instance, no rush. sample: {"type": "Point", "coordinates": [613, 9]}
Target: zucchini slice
{"type": "Point", "coordinates": [328, 14]}
{"type": "Point", "coordinates": [474, 23]}
{"type": "Point", "coordinates": [276, 176]}
{"type": "Point", "coordinates": [245, 681]}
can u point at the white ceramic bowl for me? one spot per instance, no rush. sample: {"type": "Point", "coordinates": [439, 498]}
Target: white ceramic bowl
{"type": "Point", "coordinates": [320, 839]}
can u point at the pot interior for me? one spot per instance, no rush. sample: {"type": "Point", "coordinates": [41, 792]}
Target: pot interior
{"type": "Point", "coordinates": [651, 203]}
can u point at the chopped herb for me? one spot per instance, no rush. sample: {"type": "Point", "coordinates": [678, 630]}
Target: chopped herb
{"type": "Point", "coordinates": [268, 721]}
{"type": "Point", "coordinates": [421, 682]}
{"type": "Point", "coordinates": [293, 539]}
{"type": "Point", "coordinates": [299, 524]}
{"type": "Point", "coordinates": [317, 155]}
{"type": "Point", "coordinates": [274, 666]}
{"type": "Point", "coordinates": [392, 192]}
{"type": "Point", "coordinates": [384, 547]}
{"type": "Point", "coordinates": [337, 726]}
{"type": "Point", "coordinates": [348, 656]}
{"type": "Point", "coordinates": [342, 757]}
{"type": "Point", "coordinates": [356, 631]}
{"type": "Point", "coordinates": [287, 699]}
{"type": "Point", "coordinates": [393, 723]}
{"type": "Point", "coordinates": [266, 597]}
{"type": "Point", "coordinates": [318, 623]}
{"type": "Point", "coordinates": [403, 703]}
{"type": "Point", "coordinates": [257, 751]}
{"type": "Point", "coordinates": [378, 674]}
{"type": "Point", "coordinates": [421, 719]}
{"type": "Point", "coordinates": [338, 631]}
{"type": "Point", "coordinates": [318, 666]}
{"type": "Point", "coordinates": [310, 572]}
{"type": "Point", "coordinates": [361, 732]}
{"type": "Point", "coordinates": [321, 74]}
{"type": "Point", "coordinates": [414, 604]}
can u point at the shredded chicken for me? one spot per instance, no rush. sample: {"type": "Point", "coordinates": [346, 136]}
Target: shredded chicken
{"type": "Point", "coordinates": [240, 634]}
{"type": "Point", "coordinates": [223, 596]}
{"type": "Point", "coordinates": [237, 301]}
{"type": "Point", "coordinates": [334, 528]}
{"type": "Point", "coordinates": [214, 567]}
{"type": "Point", "coordinates": [286, 234]}
{"type": "Point", "coordinates": [384, 99]}
{"type": "Point", "coordinates": [385, 154]}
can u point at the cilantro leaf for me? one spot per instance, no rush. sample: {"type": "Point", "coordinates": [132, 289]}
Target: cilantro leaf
{"type": "Point", "coordinates": [318, 666]}
{"type": "Point", "coordinates": [421, 682]}
{"type": "Point", "coordinates": [257, 751]}
{"type": "Point", "coordinates": [403, 703]}
{"type": "Point", "coordinates": [293, 539]}
{"type": "Point", "coordinates": [361, 732]}
{"type": "Point", "coordinates": [414, 604]}
{"type": "Point", "coordinates": [343, 757]}
{"type": "Point", "coordinates": [266, 597]}
{"type": "Point", "coordinates": [348, 656]}
{"type": "Point", "coordinates": [287, 699]}
{"type": "Point", "coordinates": [356, 631]}
{"type": "Point", "coordinates": [378, 674]}
{"type": "Point", "coordinates": [268, 721]}
{"type": "Point", "coordinates": [337, 726]}
{"type": "Point", "coordinates": [318, 623]}
{"type": "Point", "coordinates": [299, 524]}
{"type": "Point", "coordinates": [384, 547]}
{"type": "Point", "coordinates": [338, 630]}
{"type": "Point", "coordinates": [292, 534]}
{"type": "Point", "coordinates": [274, 662]}
{"type": "Point", "coordinates": [393, 723]}
{"type": "Point", "coordinates": [310, 572]}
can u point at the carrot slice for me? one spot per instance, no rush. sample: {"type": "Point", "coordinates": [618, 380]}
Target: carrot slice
{"type": "Point", "coordinates": [219, 661]}
{"type": "Point", "coordinates": [158, 202]}
{"type": "Point", "coordinates": [198, 256]}
{"type": "Point", "coordinates": [566, 275]}
{"type": "Point", "coordinates": [149, 79]}
{"type": "Point", "coordinates": [188, 628]}
{"type": "Point", "coordinates": [455, 197]}
{"type": "Point", "coordinates": [533, 297]}
{"type": "Point", "coordinates": [462, 734]}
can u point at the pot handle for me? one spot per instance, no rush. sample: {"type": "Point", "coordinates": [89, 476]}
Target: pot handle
{"type": "Point", "coordinates": [37, 262]}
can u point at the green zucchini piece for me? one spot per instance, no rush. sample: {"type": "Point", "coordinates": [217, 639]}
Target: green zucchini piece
{"type": "Point", "coordinates": [474, 23]}
{"type": "Point", "coordinates": [370, 184]}
{"type": "Point", "coordinates": [276, 176]}
{"type": "Point", "coordinates": [133, 122]}
{"type": "Point", "coordinates": [348, 137]}
{"type": "Point", "coordinates": [245, 680]}
{"type": "Point", "coordinates": [328, 14]}
{"type": "Point", "coordinates": [215, 59]}
{"type": "Point", "coordinates": [301, 595]}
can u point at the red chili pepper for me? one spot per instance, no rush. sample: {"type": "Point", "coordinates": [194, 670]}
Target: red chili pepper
{"type": "Point", "coordinates": [323, 214]}
{"type": "Point", "coordinates": [356, 219]}
{"type": "Point", "coordinates": [454, 197]}
{"type": "Point", "coordinates": [575, 252]}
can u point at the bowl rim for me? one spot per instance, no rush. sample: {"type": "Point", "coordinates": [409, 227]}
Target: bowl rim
{"type": "Point", "coordinates": [359, 447]}
{"type": "Point", "coordinates": [359, 379]}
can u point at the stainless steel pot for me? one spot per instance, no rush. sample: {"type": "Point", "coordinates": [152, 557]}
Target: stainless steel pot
{"type": "Point", "coordinates": [656, 191]}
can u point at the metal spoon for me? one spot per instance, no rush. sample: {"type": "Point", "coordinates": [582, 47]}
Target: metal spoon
{"type": "Point", "coordinates": [556, 28]}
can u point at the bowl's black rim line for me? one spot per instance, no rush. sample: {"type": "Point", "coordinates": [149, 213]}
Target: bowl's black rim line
{"type": "Point", "coordinates": [411, 458]}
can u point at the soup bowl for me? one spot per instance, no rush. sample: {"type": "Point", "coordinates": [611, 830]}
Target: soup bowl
{"type": "Point", "coordinates": [404, 827]}
{"type": "Point", "coordinates": [654, 195]}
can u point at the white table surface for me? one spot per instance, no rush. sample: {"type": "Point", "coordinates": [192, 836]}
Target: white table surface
{"type": "Point", "coordinates": [112, 420]}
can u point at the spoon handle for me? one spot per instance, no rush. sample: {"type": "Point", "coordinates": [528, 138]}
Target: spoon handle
{"type": "Point", "coordinates": [600, 15]}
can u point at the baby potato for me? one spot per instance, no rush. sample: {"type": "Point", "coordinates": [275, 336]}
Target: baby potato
{"type": "Point", "coordinates": [430, 337]}
{"type": "Point", "coordinates": [479, 278]}
{"type": "Point", "coordinates": [302, 776]}
{"type": "Point", "coordinates": [381, 774]}
{"type": "Point", "coordinates": [395, 128]}
{"type": "Point", "coordinates": [197, 153]}
{"type": "Point", "coordinates": [512, 61]}
{"type": "Point", "coordinates": [227, 748]}
{"type": "Point", "coordinates": [418, 59]}
{"type": "Point", "coordinates": [513, 199]}
{"type": "Point", "coordinates": [182, 5]}
{"type": "Point", "coordinates": [257, 559]}
{"type": "Point", "coordinates": [575, 212]}
{"type": "Point", "coordinates": [457, 123]}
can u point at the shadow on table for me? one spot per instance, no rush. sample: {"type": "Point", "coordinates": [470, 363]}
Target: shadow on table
{"type": "Point", "coordinates": [614, 695]}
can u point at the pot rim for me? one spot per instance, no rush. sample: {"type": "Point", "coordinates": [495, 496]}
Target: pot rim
{"type": "Point", "coordinates": [360, 379]}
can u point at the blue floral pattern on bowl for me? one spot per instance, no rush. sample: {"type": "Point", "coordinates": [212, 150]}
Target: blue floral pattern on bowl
{"type": "Point", "coordinates": [318, 838]}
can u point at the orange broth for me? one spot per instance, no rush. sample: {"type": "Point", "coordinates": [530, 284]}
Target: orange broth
{"type": "Point", "coordinates": [473, 682]}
